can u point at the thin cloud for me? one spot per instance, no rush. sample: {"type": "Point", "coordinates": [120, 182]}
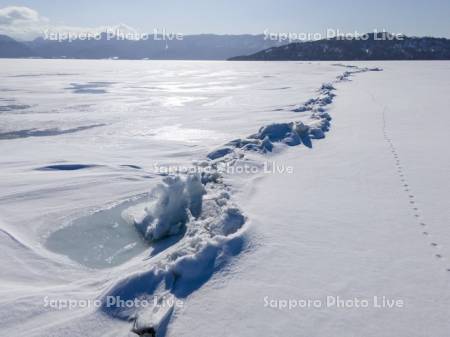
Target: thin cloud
{"type": "Point", "coordinates": [13, 14]}
{"type": "Point", "coordinates": [24, 23]}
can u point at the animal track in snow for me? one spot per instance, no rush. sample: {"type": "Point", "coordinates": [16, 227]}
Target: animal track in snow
{"type": "Point", "coordinates": [405, 184]}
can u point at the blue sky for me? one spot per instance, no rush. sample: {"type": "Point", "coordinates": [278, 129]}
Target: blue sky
{"type": "Point", "coordinates": [247, 16]}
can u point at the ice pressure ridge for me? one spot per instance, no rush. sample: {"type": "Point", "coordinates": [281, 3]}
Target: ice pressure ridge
{"type": "Point", "coordinates": [200, 208]}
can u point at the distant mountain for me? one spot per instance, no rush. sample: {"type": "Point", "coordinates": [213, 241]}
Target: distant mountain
{"type": "Point", "coordinates": [191, 47]}
{"type": "Point", "coordinates": [378, 46]}
{"type": "Point", "coordinates": [11, 48]}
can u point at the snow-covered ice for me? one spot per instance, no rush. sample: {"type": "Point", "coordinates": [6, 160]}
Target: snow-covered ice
{"type": "Point", "coordinates": [91, 209]}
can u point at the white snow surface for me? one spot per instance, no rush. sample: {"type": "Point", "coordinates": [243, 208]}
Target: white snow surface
{"type": "Point", "coordinates": [365, 212]}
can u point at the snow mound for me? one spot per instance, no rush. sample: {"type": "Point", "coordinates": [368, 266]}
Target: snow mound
{"type": "Point", "coordinates": [275, 132]}
{"type": "Point", "coordinates": [219, 153]}
{"type": "Point", "coordinates": [252, 143]}
{"type": "Point", "coordinates": [212, 236]}
{"type": "Point", "coordinates": [172, 203]}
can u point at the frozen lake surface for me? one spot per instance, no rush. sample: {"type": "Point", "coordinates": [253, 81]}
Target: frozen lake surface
{"type": "Point", "coordinates": [89, 210]}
